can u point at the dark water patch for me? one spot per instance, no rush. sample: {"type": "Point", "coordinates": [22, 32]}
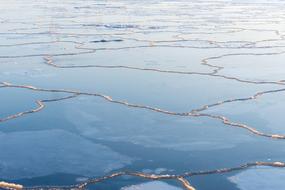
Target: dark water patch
{"type": "Point", "coordinates": [105, 41]}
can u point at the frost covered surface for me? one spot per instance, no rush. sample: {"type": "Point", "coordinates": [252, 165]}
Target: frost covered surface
{"type": "Point", "coordinates": [263, 178]}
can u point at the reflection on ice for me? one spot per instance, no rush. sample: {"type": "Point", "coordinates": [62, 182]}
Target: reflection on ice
{"type": "Point", "coordinates": [157, 185]}
{"type": "Point", "coordinates": [33, 154]}
{"type": "Point", "coordinates": [148, 129]}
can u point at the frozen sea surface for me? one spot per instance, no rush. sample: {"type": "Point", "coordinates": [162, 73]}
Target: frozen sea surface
{"type": "Point", "coordinates": [159, 88]}
{"type": "Point", "coordinates": [263, 178]}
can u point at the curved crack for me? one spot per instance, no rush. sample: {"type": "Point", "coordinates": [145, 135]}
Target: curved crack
{"type": "Point", "coordinates": [179, 177]}
{"type": "Point", "coordinates": [40, 107]}
{"type": "Point", "coordinates": [193, 113]}
{"type": "Point", "coordinates": [199, 20]}
{"type": "Point", "coordinates": [49, 61]}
